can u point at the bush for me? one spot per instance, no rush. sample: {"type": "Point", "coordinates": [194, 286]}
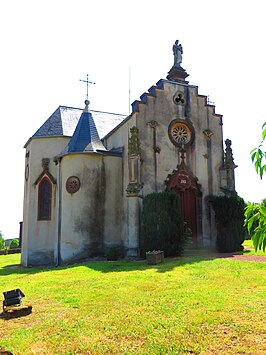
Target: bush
{"type": "Point", "coordinates": [114, 253]}
{"type": "Point", "coordinates": [14, 244]}
{"type": "Point", "coordinates": [255, 223]}
{"type": "Point", "coordinates": [161, 224]}
{"type": "Point", "coordinates": [229, 219]}
{"type": "Point", "coordinates": [2, 242]}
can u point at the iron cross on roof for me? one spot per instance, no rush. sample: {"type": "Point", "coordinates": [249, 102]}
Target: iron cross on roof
{"type": "Point", "coordinates": [87, 82]}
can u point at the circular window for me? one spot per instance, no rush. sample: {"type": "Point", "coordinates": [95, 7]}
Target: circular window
{"type": "Point", "coordinates": [179, 98]}
{"type": "Point", "coordinates": [72, 184]}
{"type": "Point", "coordinates": [180, 133]}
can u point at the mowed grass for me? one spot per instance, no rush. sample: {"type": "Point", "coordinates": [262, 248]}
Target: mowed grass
{"type": "Point", "coordinates": [183, 306]}
{"type": "Point", "coordinates": [249, 249]}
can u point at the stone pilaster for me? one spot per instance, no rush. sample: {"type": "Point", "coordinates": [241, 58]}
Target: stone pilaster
{"type": "Point", "coordinates": [133, 226]}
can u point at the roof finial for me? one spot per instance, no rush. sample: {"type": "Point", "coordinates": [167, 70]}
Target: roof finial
{"type": "Point", "coordinates": [86, 109]}
{"type": "Point", "coordinates": [87, 82]}
{"type": "Point", "coordinates": [177, 73]}
{"type": "Point", "coordinates": [178, 51]}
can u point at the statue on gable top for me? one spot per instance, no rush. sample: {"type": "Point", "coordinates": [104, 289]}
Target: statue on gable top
{"type": "Point", "coordinates": [178, 51]}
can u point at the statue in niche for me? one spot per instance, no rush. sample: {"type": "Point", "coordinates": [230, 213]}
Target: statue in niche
{"type": "Point", "coordinates": [133, 144]}
{"type": "Point", "coordinates": [178, 51]}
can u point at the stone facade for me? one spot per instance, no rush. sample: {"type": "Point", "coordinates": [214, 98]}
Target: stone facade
{"type": "Point", "coordinates": [172, 140]}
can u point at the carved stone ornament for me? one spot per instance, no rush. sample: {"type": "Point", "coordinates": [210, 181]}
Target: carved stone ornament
{"type": "Point", "coordinates": [133, 188]}
{"type": "Point", "coordinates": [179, 98]}
{"type": "Point", "coordinates": [177, 51]}
{"type": "Point", "coordinates": [180, 133]}
{"type": "Point", "coordinates": [182, 179]}
{"type": "Point", "coordinates": [133, 143]}
{"type": "Point", "coordinates": [72, 184]}
{"type": "Point", "coordinates": [229, 160]}
{"type": "Point", "coordinates": [45, 164]}
{"type": "Point", "coordinates": [208, 134]}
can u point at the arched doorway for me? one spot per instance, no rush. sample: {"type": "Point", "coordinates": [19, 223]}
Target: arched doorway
{"type": "Point", "coordinates": [182, 182]}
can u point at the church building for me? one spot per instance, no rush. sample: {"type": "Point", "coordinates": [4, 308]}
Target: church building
{"type": "Point", "coordinates": [86, 172]}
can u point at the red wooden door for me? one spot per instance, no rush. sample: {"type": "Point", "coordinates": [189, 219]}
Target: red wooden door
{"type": "Point", "coordinates": [188, 207]}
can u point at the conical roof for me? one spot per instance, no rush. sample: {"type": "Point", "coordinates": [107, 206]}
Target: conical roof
{"type": "Point", "coordinates": [85, 137]}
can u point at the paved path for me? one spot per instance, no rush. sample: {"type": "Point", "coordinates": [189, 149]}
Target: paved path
{"type": "Point", "coordinates": [205, 253]}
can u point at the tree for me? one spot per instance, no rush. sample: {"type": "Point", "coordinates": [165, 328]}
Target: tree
{"type": "Point", "coordinates": [255, 213]}
{"type": "Point", "coordinates": [14, 244]}
{"type": "Point", "coordinates": [2, 242]}
{"type": "Point", "coordinates": [258, 156]}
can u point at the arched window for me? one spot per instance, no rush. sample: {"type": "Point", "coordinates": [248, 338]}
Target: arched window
{"type": "Point", "coordinates": [44, 199]}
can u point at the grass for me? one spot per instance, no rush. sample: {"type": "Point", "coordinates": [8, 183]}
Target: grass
{"type": "Point", "coordinates": [183, 306]}
{"type": "Point", "coordinates": [249, 248]}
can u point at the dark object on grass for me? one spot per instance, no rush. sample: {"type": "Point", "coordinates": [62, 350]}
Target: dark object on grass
{"type": "Point", "coordinates": [5, 352]}
{"type": "Point", "coordinates": [12, 298]}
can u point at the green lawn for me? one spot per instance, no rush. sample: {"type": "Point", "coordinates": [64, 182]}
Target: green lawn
{"type": "Point", "coordinates": [183, 306]}
{"type": "Point", "coordinates": [249, 249]}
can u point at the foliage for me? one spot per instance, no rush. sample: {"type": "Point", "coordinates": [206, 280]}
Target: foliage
{"type": "Point", "coordinates": [14, 244]}
{"type": "Point", "coordinates": [255, 222]}
{"type": "Point", "coordinates": [255, 213]}
{"type": "Point", "coordinates": [258, 156]}
{"type": "Point", "coordinates": [250, 250]}
{"type": "Point", "coordinates": [161, 224]}
{"type": "Point", "coordinates": [114, 253]}
{"type": "Point", "coordinates": [182, 306]}
{"type": "Point", "coordinates": [229, 219]}
{"type": "Point", "coordinates": [2, 242]}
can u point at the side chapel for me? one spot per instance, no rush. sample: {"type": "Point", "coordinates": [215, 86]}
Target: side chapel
{"type": "Point", "coordinates": [86, 171]}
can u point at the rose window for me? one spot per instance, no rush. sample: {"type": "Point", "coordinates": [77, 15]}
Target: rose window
{"type": "Point", "coordinates": [180, 133]}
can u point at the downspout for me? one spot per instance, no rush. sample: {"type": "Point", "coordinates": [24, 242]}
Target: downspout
{"type": "Point", "coordinates": [153, 124]}
{"type": "Point", "coordinates": [155, 158]}
{"type": "Point", "coordinates": [59, 210]}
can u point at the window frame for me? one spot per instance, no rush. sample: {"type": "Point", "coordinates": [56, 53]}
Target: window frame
{"type": "Point", "coordinates": [44, 202]}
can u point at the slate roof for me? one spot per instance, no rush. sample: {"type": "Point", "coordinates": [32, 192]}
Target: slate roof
{"type": "Point", "coordinates": [64, 120]}
{"type": "Point", "coordinates": [85, 137]}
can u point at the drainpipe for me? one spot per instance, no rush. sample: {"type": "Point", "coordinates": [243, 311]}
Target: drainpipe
{"type": "Point", "coordinates": [153, 124]}
{"type": "Point", "coordinates": [59, 214]}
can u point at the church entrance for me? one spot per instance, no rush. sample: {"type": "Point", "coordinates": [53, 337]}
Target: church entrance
{"type": "Point", "coordinates": [185, 185]}
{"type": "Point", "coordinates": [188, 210]}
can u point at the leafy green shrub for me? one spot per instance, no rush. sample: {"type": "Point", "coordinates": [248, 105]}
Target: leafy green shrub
{"type": "Point", "coordinates": [114, 253]}
{"type": "Point", "coordinates": [255, 222]}
{"type": "Point", "coordinates": [2, 242]}
{"type": "Point", "coordinates": [229, 219]}
{"type": "Point", "coordinates": [161, 224]}
{"type": "Point", "coordinates": [14, 244]}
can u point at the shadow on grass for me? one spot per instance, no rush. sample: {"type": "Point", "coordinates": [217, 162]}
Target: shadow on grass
{"type": "Point", "coordinates": [16, 312]}
{"type": "Point", "coordinates": [105, 266]}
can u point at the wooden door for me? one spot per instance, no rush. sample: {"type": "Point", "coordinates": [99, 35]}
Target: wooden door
{"type": "Point", "coordinates": [188, 208]}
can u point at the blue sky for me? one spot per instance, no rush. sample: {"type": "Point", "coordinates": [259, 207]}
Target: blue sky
{"type": "Point", "coordinates": [47, 46]}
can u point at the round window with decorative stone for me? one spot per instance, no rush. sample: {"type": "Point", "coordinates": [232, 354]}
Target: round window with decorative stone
{"type": "Point", "coordinates": [72, 184]}
{"type": "Point", "coordinates": [180, 133]}
{"type": "Point", "coordinates": [179, 98]}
